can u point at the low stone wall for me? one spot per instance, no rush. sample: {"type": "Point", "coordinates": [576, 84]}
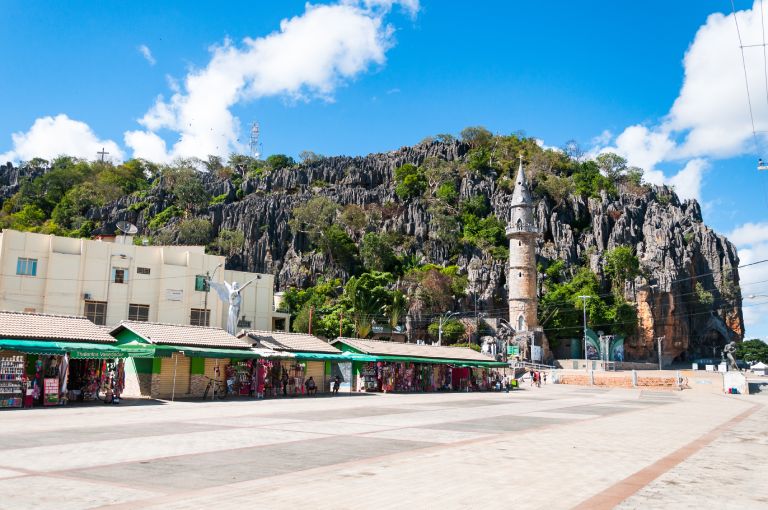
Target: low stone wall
{"type": "Point", "coordinates": [581, 364]}
{"type": "Point", "coordinates": [617, 380]}
{"type": "Point", "coordinates": [197, 384]}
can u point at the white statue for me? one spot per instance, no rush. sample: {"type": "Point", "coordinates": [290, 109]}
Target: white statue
{"type": "Point", "coordinates": [230, 293]}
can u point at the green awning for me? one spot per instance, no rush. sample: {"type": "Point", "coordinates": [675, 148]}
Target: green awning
{"type": "Point", "coordinates": [205, 352]}
{"type": "Point", "coordinates": [76, 350]}
{"type": "Point", "coordinates": [136, 349]}
{"type": "Point", "coordinates": [440, 361]}
{"type": "Point", "coordinates": [328, 356]}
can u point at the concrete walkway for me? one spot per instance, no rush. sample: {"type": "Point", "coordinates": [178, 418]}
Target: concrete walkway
{"type": "Point", "coordinates": [553, 447]}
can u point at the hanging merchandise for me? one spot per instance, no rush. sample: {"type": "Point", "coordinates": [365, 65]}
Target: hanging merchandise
{"type": "Point", "coordinates": [63, 376]}
{"type": "Point", "coordinates": [11, 381]}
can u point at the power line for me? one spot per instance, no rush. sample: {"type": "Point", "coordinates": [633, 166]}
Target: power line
{"type": "Point", "coordinates": [746, 79]}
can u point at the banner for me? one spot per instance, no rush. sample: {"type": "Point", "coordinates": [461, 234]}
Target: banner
{"type": "Point", "coordinates": [592, 345]}
{"type": "Point", "coordinates": [617, 349]}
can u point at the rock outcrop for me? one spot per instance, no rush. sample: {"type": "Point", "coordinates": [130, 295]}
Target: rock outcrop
{"type": "Point", "coordinates": [675, 248]}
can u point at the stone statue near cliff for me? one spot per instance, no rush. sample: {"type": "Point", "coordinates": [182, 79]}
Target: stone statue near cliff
{"type": "Point", "coordinates": [729, 351]}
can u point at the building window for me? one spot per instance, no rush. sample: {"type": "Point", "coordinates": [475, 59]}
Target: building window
{"type": "Point", "coordinates": [520, 323]}
{"type": "Point", "coordinates": [519, 274]}
{"type": "Point", "coordinates": [201, 283]}
{"type": "Point", "coordinates": [26, 267]}
{"type": "Point", "coordinates": [142, 270]}
{"type": "Point", "coordinates": [96, 312]}
{"type": "Point", "coordinates": [519, 224]}
{"type": "Point", "coordinates": [119, 275]}
{"type": "Point", "coordinates": [138, 313]}
{"type": "Point", "coordinates": [200, 317]}
{"type": "Point", "coordinates": [519, 243]}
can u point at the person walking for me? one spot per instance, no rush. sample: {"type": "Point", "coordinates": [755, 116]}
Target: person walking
{"type": "Point", "coordinates": [336, 385]}
{"type": "Point", "coordinates": [284, 382]}
{"type": "Point", "coordinates": [544, 376]}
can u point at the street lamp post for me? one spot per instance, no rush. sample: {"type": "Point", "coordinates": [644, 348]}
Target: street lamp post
{"type": "Point", "coordinates": [443, 319]}
{"type": "Point", "coordinates": [584, 300]}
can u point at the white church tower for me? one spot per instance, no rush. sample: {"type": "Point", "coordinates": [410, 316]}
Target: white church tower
{"type": "Point", "coordinates": [522, 234]}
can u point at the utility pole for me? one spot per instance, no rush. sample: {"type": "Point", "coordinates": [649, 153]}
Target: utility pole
{"type": "Point", "coordinates": [477, 320]}
{"type": "Point", "coordinates": [208, 277]}
{"type": "Point", "coordinates": [584, 299]}
{"type": "Point", "coordinates": [659, 340]}
{"type": "Point", "coordinates": [341, 321]}
{"type": "Point", "coordinates": [311, 316]}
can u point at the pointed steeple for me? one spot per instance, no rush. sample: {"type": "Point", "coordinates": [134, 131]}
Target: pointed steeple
{"type": "Point", "coordinates": [522, 194]}
{"type": "Point", "coordinates": [521, 213]}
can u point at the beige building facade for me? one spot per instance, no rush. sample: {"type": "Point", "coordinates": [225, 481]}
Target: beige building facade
{"type": "Point", "coordinates": [112, 279]}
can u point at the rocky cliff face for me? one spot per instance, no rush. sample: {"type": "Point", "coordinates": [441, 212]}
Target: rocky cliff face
{"type": "Point", "coordinates": [675, 248]}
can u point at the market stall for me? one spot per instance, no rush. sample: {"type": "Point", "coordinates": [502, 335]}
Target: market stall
{"type": "Point", "coordinates": [52, 359]}
{"type": "Point", "coordinates": [398, 367]}
{"type": "Point", "coordinates": [183, 360]}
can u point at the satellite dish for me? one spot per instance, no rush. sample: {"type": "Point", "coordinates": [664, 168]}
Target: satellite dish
{"type": "Point", "coordinates": [127, 228]}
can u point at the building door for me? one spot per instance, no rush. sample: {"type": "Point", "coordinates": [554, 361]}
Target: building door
{"type": "Point", "coordinates": [179, 365]}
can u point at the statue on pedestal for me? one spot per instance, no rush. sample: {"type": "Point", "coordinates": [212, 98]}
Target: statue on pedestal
{"type": "Point", "coordinates": [729, 351]}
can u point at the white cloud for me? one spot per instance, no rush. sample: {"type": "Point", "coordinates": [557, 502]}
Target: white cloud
{"type": "Point", "coordinates": [147, 54]}
{"type": "Point", "coordinates": [749, 234]}
{"type": "Point", "coordinates": [310, 56]}
{"type": "Point", "coordinates": [50, 137]}
{"type": "Point", "coordinates": [754, 282]}
{"type": "Point", "coordinates": [710, 118]}
{"type": "Point", "coordinates": [751, 240]}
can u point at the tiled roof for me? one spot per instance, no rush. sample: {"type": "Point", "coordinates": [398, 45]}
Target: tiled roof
{"type": "Point", "coordinates": [292, 342]}
{"type": "Point", "coordinates": [73, 328]}
{"type": "Point", "coordinates": [413, 350]}
{"type": "Point", "coordinates": [179, 334]}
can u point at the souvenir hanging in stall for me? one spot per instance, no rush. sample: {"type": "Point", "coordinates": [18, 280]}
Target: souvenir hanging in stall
{"type": "Point", "coordinates": [12, 384]}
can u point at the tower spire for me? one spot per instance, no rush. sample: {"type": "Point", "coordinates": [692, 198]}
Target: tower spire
{"type": "Point", "coordinates": [522, 234]}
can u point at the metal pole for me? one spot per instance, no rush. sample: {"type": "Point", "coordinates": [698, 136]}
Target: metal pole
{"type": "Point", "coordinates": [176, 364]}
{"type": "Point", "coordinates": [207, 286]}
{"type": "Point", "coordinates": [584, 301]}
{"type": "Point", "coordinates": [440, 331]}
{"type": "Point", "coordinates": [477, 320]}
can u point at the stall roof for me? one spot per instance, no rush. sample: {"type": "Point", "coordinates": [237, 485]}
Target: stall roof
{"type": "Point", "coordinates": [181, 335]}
{"type": "Point", "coordinates": [432, 353]}
{"type": "Point", "coordinates": [291, 342]}
{"type": "Point", "coordinates": [76, 350]}
{"type": "Point", "coordinates": [41, 326]}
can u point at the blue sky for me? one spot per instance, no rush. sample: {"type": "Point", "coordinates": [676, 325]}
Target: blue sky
{"type": "Point", "coordinates": [609, 75]}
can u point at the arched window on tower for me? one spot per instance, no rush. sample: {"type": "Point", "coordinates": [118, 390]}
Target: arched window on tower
{"type": "Point", "coordinates": [521, 323]}
{"type": "Point", "coordinates": [519, 224]}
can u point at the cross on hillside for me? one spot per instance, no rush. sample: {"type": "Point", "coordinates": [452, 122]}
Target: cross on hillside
{"type": "Point", "coordinates": [102, 153]}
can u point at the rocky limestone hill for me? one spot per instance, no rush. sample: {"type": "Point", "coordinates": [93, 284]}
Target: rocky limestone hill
{"type": "Point", "coordinates": [675, 248]}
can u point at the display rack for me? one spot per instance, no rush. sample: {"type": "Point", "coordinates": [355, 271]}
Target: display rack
{"type": "Point", "coordinates": [51, 391]}
{"type": "Point", "coordinates": [11, 380]}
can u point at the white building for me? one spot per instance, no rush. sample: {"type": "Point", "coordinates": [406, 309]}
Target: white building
{"type": "Point", "coordinates": [111, 279]}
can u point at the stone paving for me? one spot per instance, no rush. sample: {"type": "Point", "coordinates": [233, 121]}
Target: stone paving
{"type": "Point", "coordinates": [550, 447]}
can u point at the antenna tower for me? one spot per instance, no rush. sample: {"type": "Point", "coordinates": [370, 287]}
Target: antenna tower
{"type": "Point", "coordinates": [254, 141]}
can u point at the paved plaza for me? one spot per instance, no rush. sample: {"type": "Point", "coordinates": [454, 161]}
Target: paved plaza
{"type": "Point", "coordinates": [554, 447]}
